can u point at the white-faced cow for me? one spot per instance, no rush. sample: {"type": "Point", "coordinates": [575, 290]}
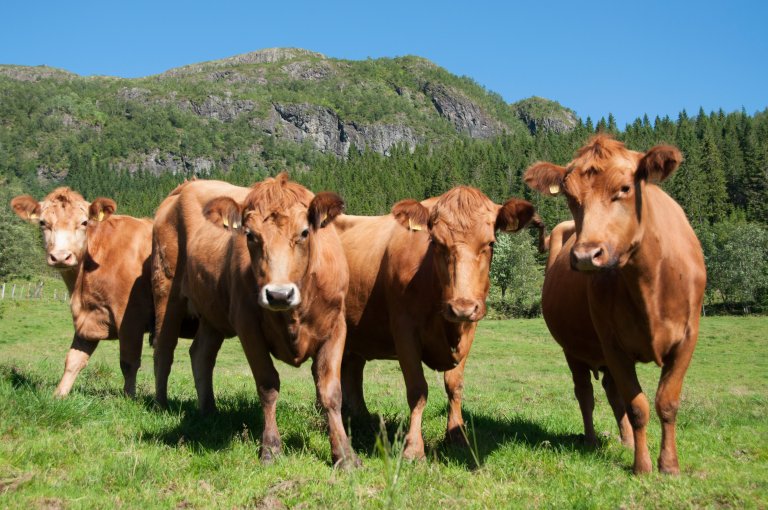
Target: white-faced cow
{"type": "Point", "coordinates": [419, 278]}
{"type": "Point", "coordinates": [264, 264]}
{"type": "Point", "coordinates": [628, 285]}
{"type": "Point", "coordinates": [103, 259]}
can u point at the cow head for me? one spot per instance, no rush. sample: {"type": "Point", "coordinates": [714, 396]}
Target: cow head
{"type": "Point", "coordinates": [64, 217]}
{"type": "Point", "coordinates": [605, 185]}
{"type": "Point", "coordinates": [279, 220]}
{"type": "Point", "coordinates": [462, 224]}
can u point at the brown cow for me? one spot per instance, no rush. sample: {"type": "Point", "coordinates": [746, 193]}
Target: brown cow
{"type": "Point", "coordinates": [263, 264]}
{"type": "Point", "coordinates": [578, 339]}
{"type": "Point", "coordinates": [419, 278]}
{"type": "Point", "coordinates": [103, 259]}
{"type": "Point", "coordinates": [640, 280]}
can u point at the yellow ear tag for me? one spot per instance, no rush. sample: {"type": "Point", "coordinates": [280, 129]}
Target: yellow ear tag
{"type": "Point", "coordinates": [235, 225]}
{"type": "Point", "coordinates": [33, 216]}
{"type": "Point", "coordinates": [414, 226]}
{"type": "Point", "coordinates": [225, 221]}
{"type": "Point", "coordinates": [325, 217]}
{"type": "Point", "coordinates": [554, 189]}
{"type": "Point", "coordinates": [101, 215]}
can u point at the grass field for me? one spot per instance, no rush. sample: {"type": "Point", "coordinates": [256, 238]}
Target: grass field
{"type": "Point", "coordinates": [97, 449]}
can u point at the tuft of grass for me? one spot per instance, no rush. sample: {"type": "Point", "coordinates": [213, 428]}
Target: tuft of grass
{"type": "Point", "coordinates": [99, 449]}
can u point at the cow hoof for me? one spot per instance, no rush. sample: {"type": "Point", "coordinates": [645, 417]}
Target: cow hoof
{"type": "Point", "coordinates": [457, 436]}
{"type": "Point", "coordinates": [414, 454]}
{"type": "Point", "coordinates": [642, 468]}
{"type": "Point", "coordinates": [348, 463]}
{"type": "Point", "coordinates": [669, 467]}
{"type": "Point", "coordinates": [161, 404]}
{"type": "Point", "coordinates": [591, 442]}
{"type": "Point", "coordinates": [268, 454]}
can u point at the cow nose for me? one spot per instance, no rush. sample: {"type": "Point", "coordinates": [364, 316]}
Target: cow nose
{"type": "Point", "coordinates": [60, 258]}
{"type": "Point", "coordinates": [587, 257]}
{"type": "Point", "coordinates": [463, 309]}
{"type": "Point", "coordinates": [280, 297]}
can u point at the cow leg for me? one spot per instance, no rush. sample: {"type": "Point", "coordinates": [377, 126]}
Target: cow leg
{"type": "Point", "coordinates": [130, 338]}
{"type": "Point", "coordinates": [668, 401]}
{"type": "Point", "coordinates": [326, 367]}
{"type": "Point", "coordinates": [77, 358]}
{"type": "Point", "coordinates": [454, 387]}
{"type": "Point", "coordinates": [353, 400]}
{"type": "Point", "coordinates": [168, 323]}
{"type": "Point", "coordinates": [582, 388]}
{"type": "Point", "coordinates": [619, 410]}
{"type": "Point", "coordinates": [623, 370]}
{"type": "Point", "coordinates": [417, 390]}
{"type": "Point", "coordinates": [203, 351]}
{"type": "Point", "coordinates": [268, 385]}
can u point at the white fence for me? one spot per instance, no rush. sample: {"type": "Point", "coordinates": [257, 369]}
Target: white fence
{"type": "Point", "coordinates": [30, 291]}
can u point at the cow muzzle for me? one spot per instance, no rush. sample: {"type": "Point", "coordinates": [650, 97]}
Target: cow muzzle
{"type": "Point", "coordinates": [62, 259]}
{"type": "Point", "coordinates": [280, 297]}
{"type": "Point", "coordinates": [590, 257]}
{"type": "Point", "coordinates": [463, 310]}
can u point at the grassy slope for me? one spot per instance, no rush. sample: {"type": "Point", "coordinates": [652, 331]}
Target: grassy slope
{"type": "Point", "coordinates": [98, 449]}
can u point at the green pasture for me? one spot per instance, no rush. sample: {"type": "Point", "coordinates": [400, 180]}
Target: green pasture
{"type": "Point", "coordinates": [98, 449]}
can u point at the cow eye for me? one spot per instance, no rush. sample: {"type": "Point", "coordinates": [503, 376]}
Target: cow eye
{"type": "Point", "coordinates": [623, 192]}
{"type": "Point", "coordinates": [42, 223]}
{"type": "Point", "coordinates": [250, 236]}
{"type": "Point", "coordinates": [305, 233]}
{"type": "Point", "coordinates": [84, 223]}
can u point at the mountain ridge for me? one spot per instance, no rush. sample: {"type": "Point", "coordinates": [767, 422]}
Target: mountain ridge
{"type": "Point", "coordinates": [212, 114]}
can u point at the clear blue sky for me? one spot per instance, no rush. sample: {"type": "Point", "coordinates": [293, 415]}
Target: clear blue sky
{"type": "Point", "coordinates": [627, 58]}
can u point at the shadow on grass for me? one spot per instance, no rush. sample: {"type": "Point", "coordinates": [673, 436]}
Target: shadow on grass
{"type": "Point", "coordinates": [485, 435]}
{"type": "Point", "coordinates": [238, 418]}
{"type": "Point", "coordinates": [18, 379]}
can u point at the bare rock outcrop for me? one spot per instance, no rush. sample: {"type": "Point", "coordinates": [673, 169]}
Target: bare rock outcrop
{"type": "Point", "coordinates": [328, 133]}
{"type": "Point", "coordinates": [224, 109]}
{"type": "Point", "coordinates": [541, 114]}
{"type": "Point", "coordinates": [466, 116]}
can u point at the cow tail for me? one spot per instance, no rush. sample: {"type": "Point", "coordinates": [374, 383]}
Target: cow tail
{"type": "Point", "coordinates": [543, 237]}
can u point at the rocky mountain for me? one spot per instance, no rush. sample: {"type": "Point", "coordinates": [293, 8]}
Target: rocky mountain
{"type": "Point", "coordinates": [247, 109]}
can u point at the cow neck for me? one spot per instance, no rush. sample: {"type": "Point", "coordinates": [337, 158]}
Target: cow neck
{"type": "Point", "coordinates": [70, 276]}
{"type": "Point", "coordinates": [642, 268]}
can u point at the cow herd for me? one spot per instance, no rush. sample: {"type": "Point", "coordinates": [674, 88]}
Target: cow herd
{"type": "Point", "coordinates": [295, 278]}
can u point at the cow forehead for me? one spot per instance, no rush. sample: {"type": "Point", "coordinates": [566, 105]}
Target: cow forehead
{"type": "Point", "coordinates": [282, 219]}
{"type": "Point", "coordinates": [596, 176]}
{"type": "Point", "coordinates": [63, 208]}
{"type": "Point", "coordinates": [463, 209]}
{"type": "Point", "coordinates": [480, 231]}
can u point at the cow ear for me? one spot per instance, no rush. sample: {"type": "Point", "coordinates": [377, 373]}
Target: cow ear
{"type": "Point", "coordinates": [101, 209]}
{"type": "Point", "coordinates": [224, 212]}
{"type": "Point", "coordinates": [545, 178]}
{"type": "Point", "coordinates": [659, 163]}
{"type": "Point", "coordinates": [411, 214]}
{"type": "Point", "coordinates": [514, 215]}
{"type": "Point", "coordinates": [324, 208]}
{"type": "Point", "coordinates": [26, 208]}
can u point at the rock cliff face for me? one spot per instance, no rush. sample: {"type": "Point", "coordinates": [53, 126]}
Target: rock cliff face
{"type": "Point", "coordinates": [465, 115]}
{"type": "Point", "coordinates": [328, 133]}
{"type": "Point", "coordinates": [541, 114]}
{"type": "Point", "coordinates": [224, 109]}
